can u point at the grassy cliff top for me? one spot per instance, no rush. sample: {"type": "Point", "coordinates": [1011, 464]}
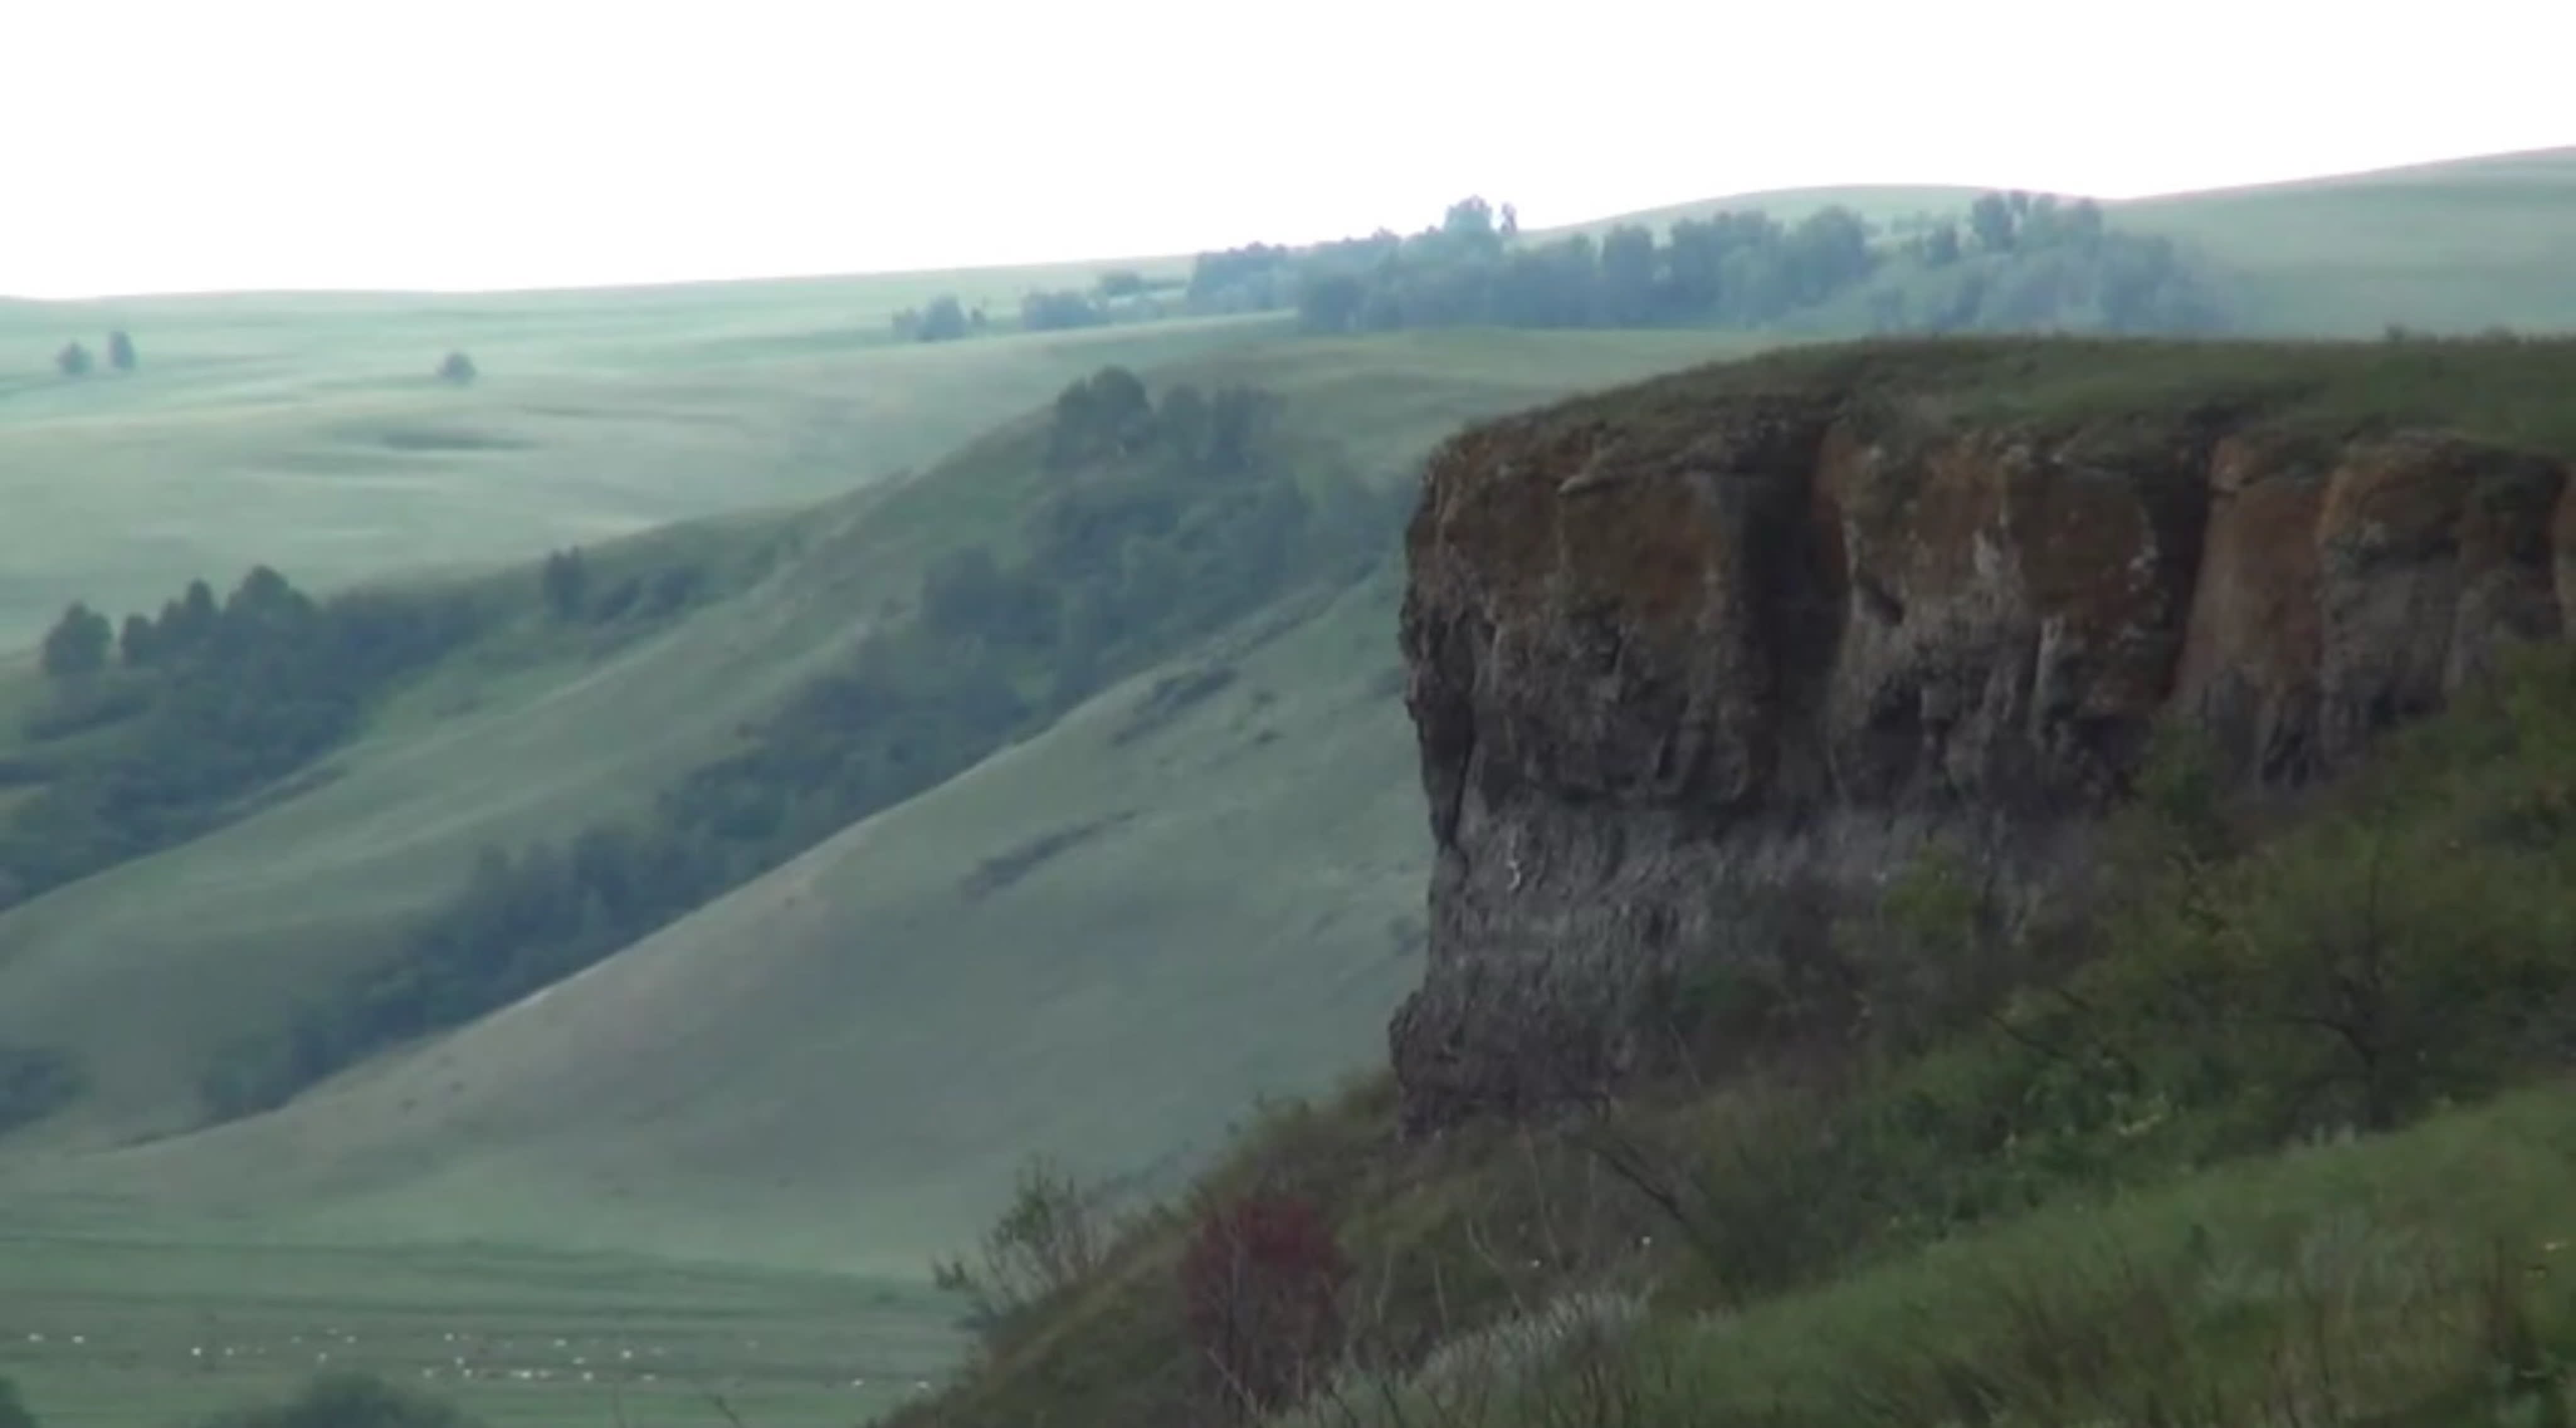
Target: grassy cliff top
{"type": "Point", "coordinates": [2509, 390]}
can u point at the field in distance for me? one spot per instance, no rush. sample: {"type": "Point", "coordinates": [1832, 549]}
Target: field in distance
{"type": "Point", "coordinates": [137, 1333]}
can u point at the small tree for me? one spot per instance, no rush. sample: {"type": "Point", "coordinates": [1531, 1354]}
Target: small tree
{"type": "Point", "coordinates": [457, 370]}
{"type": "Point", "coordinates": [78, 642]}
{"type": "Point", "coordinates": [74, 360]}
{"type": "Point", "coordinates": [566, 583]}
{"type": "Point", "coordinates": [120, 350]}
{"type": "Point", "coordinates": [1054, 1235]}
{"type": "Point", "coordinates": [1261, 1289]}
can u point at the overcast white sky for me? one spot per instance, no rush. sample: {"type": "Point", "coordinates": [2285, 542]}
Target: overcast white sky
{"type": "Point", "coordinates": [178, 145]}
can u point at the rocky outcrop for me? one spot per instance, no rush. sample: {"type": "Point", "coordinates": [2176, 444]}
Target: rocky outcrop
{"type": "Point", "coordinates": [1691, 661]}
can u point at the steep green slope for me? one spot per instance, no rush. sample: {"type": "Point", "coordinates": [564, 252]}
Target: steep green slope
{"type": "Point", "coordinates": [1102, 944]}
{"type": "Point", "coordinates": [149, 973]}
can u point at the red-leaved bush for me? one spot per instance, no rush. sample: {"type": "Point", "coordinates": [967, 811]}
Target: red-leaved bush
{"type": "Point", "coordinates": [1261, 1283]}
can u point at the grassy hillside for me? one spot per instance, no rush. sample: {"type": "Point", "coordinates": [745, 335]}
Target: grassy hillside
{"type": "Point", "coordinates": [2454, 246]}
{"type": "Point", "coordinates": [147, 972]}
{"type": "Point", "coordinates": [2272, 1128]}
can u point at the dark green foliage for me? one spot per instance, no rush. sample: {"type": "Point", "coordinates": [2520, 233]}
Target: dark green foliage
{"type": "Point", "coordinates": [1160, 522]}
{"type": "Point", "coordinates": [120, 351]}
{"type": "Point", "coordinates": [74, 360]}
{"type": "Point", "coordinates": [565, 583]}
{"type": "Point", "coordinates": [347, 1400]}
{"type": "Point", "coordinates": [13, 1409]}
{"type": "Point", "coordinates": [222, 701]}
{"type": "Point", "coordinates": [944, 320]}
{"type": "Point", "coordinates": [457, 369]}
{"type": "Point", "coordinates": [78, 643]}
{"type": "Point", "coordinates": [2036, 265]}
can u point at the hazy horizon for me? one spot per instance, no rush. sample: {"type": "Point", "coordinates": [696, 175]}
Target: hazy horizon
{"type": "Point", "coordinates": [570, 144]}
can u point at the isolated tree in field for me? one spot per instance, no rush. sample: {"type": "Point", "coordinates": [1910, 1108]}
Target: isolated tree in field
{"type": "Point", "coordinates": [944, 320]}
{"type": "Point", "coordinates": [78, 642]}
{"type": "Point", "coordinates": [566, 583]}
{"type": "Point", "coordinates": [120, 350]}
{"type": "Point", "coordinates": [458, 369]}
{"type": "Point", "coordinates": [74, 360]}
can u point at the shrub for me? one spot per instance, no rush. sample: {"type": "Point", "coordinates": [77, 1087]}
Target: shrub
{"type": "Point", "coordinates": [1055, 1233]}
{"type": "Point", "coordinates": [1261, 1283]}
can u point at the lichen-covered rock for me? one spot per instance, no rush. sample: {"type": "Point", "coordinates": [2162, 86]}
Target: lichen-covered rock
{"type": "Point", "coordinates": [1693, 666]}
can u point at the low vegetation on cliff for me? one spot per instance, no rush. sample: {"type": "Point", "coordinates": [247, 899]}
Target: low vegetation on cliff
{"type": "Point", "coordinates": [2271, 1133]}
{"type": "Point", "coordinates": [2263, 1122]}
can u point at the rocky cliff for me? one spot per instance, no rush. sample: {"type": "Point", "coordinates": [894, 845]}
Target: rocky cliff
{"type": "Point", "coordinates": [1692, 657]}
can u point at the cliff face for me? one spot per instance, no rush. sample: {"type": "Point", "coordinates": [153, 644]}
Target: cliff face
{"type": "Point", "coordinates": [1693, 661]}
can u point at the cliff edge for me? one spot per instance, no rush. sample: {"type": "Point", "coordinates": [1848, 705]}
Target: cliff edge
{"type": "Point", "coordinates": [1696, 658]}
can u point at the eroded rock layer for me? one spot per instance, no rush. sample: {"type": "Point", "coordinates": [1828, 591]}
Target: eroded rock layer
{"type": "Point", "coordinates": [1694, 660]}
